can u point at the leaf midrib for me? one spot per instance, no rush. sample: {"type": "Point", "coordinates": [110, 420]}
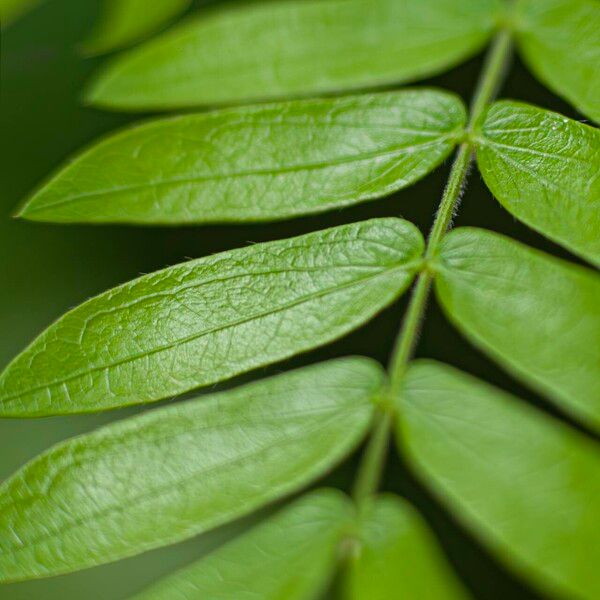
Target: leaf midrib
{"type": "Point", "coordinates": [540, 179]}
{"type": "Point", "coordinates": [566, 156]}
{"type": "Point", "coordinates": [361, 157]}
{"type": "Point", "coordinates": [408, 266]}
{"type": "Point", "coordinates": [86, 454]}
{"type": "Point", "coordinates": [160, 490]}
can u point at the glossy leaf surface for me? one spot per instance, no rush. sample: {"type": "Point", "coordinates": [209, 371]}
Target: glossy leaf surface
{"type": "Point", "coordinates": [172, 473]}
{"type": "Point", "coordinates": [292, 556]}
{"type": "Point", "coordinates": [124, 22]}
{"type": "Point", "coordinates": [545, 170]}
{"type": "Point", "coordinates": [399, 558]}
{"type": "Point", "coordinates": [295, 47]}
{"type": "Point", "coordinates": [256, 163]}
{"type": "Point", "coordinates": [560, 40]}
{"type": "Point", "coordinates": [525, 484]}
{"type": "Point", "coordinates": [207, 320]}
{"type": "Point", "coordinates": [536, 315]}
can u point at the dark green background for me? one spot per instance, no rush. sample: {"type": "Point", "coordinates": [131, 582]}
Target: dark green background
{"type": "Point", "coordinates": [46, 269]}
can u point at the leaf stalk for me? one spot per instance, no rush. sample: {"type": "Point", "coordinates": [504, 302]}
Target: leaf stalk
{"type": "Point", "coordinates": [491, 78]}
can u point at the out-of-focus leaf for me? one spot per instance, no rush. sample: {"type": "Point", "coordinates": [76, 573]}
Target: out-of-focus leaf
{"type": "Point", "coordinates": [124, 22]}
{"type": "Point", "coordinates": [399, 558]}
{"type": "Point", "coordinates": [560, 40]}
{"type": "Point", "coordinates": [544, 169]}
{"type": "Point", "coordinates": [172, 473]}
{"type": "Point", "coordinates": [525, 484]}
{"type": "Point", "coordinates": [11, 10]}
{"type": "Point", "coordinates": [295, 47]}
{"type": "Point", "coordinates": [291, 556]}
{"type": "Point", "coordinates": [536, 315]}
{"type": "Point", "coordinates": [256, 163]}
{"type": "Point", "coordinates": [207, 320]}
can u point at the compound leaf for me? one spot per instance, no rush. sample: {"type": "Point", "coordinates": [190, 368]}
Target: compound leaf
{"type": "Point", "coordinates": [544, 169]}
{"type": "Point", "coordinates": [295, 47]}
{"type": "Point", "coordinates": [538, 316]}
{"type": "Point", "coordinates": [399, 557]}
{"type": "Point", "coordinates": [172, 473]}
{"type": "Point", "coordinates": [256, 163]}
{"type": "Point", "coordinates": [525, 484]}
{"type": "Point", "coordinates": [207, 320]}
{"type": "Point", "coordinates": [124, 22]}
{"type": "Point", "coordinates": [560, 40]}
{"type": "Point", "coordinates": [292, 556]}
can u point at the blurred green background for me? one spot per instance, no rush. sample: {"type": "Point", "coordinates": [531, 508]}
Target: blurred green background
{"type": "Point", "coordinates": [46, 269]}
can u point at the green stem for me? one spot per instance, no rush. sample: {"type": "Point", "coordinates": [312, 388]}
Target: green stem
{"type": "Point", "coordinates": [373, 460]}
{"type": "Point", "coordinates": [491, 78]}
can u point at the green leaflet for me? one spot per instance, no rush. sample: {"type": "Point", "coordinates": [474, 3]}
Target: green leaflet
{"type": "Point", "coordinates": [525, 484]}
{"type": "Point", "coordinates": [536, 315]}
{"type": "Point", "coordinates": [11, 10]}
{"type": "Point", "coordinates": [256, 163]}
{"type": "Point", "coordinates": [172, 473]}
{"type": "Point", "coordinates": [207, 320]}
{"type": "Point", "coordinates": [560, 40]}
{"type": "Point", "coordinates": [544, 169]}
{"type": "Point", "coordinates": [399, 558]}
{"type": "Point", "coordinates": [295, 47]}
{"type": "Point", "coordinates": [291, 556]}
{"type": "Point", "coordinates": [124, 22]}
